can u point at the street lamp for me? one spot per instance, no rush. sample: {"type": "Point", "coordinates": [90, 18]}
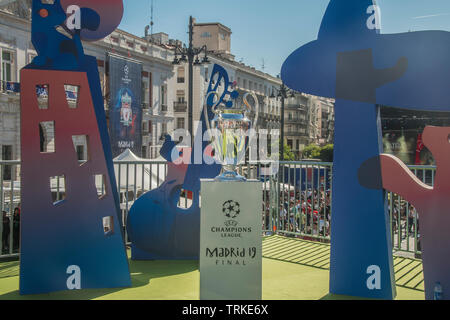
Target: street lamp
{"type": "Point", "coordinates": [188, 55]}
{"type": "Point", "coordinates": [283, 93]}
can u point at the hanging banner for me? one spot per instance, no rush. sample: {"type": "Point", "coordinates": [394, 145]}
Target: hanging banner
{"type": "Point", "coordinates": [125, 109]}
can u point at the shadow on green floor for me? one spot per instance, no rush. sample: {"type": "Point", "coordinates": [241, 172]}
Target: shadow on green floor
{"type": "Point", "coordinates": [293, 250]}
{"type": "Point", "coordinates": [142, 273]}
{"type": "Point", "coordinates": [9, 269]}
{"type": "Point", "coordinates": [408, 271]}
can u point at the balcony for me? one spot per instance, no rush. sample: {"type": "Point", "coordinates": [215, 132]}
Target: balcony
{"type": "Point", "coordinates": [9, 87]}
{"type": "Point", "coordinates": [180, 106]}
{"type": "Point", "coordinates": [292, 106]}
{"type": "Point", "coordinates": [294, 133]}
{"type": "Point", "coordinates": [296, 120]}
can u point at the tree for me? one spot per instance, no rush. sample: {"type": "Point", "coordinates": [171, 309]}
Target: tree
{"type": "Point", "coordinates": [326, 153]}
{"type": "Point", "coordinates": [288, 154]}
{"type": "Point", "coordinates": [311, 152]}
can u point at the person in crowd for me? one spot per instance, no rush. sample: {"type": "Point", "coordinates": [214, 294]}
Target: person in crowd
{"type": "Point", "coordinates": [16, 229]}
{"type": "Point", "coordinates": [6, 232]}
{"type": "Point", "coordinates": [411, 215]}
{"type": "Point", "coordinates": [322, 221]}
{"type": "Point", "coordinates": [283, 216]}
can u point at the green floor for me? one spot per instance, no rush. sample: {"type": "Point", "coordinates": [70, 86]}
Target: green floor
{"type": "Point", "coordinates": [292, 270]}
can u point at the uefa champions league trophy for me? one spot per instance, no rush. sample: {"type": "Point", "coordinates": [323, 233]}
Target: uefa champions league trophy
{"type": "Point", "coordinates": [230, 128]}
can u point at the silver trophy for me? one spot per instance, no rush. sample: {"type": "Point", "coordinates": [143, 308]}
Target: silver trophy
{"type": "Point", "coordinates": [229, 130]}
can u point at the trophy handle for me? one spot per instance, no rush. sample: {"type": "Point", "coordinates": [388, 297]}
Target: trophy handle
{"type": "Point", "coordinates": [213, 108]}
{"type": "Point", "coordinates": [249, 108]}
{"type": "Point", "coordinates": [215, 143]}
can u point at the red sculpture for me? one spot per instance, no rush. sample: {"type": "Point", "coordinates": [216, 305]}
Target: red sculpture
{"type": "Point", "coordinates": [432, 203]}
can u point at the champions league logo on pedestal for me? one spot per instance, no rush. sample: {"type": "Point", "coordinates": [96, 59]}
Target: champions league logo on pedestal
{"type": "Point", "coordinates": [231, 209]}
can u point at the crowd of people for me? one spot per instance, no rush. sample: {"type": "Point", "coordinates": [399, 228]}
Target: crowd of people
{"type": "Point", "coordinates": [9, 246]}
{"type": "Point", "coordinates": [302, 212]}
{"type": "Point", "coordinates": [308, 212]}
{"type": "Point", "coordinates": [405, 221]}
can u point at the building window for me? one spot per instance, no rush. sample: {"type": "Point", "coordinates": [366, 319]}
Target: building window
{"type": "Point", "coordinates": [205, 35]}
{"type": "Point", "coordinates": [7, 155]}
{"type": "Point", "coordinates": [163, 98]}
{"type": "Point", "coordinates": [180, 123]}
{"type": "Point", "coordinates": [289, 143]}
{"type": "Point", "coordinates": [180, 77]}
{"type": "Point", "coordinates": [7, 67]}
{"type": "Point", "coordinates": [144, 95]}
{"type": "Point", "coordinates": [222, 36]}
{"type": "Point", "coordinates": [150, 90]}
{"type": "Point", "coordinates": [164, 129]}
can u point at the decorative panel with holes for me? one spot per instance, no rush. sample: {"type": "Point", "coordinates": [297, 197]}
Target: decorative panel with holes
{"type": "Point", "coordinates": [70, 222]}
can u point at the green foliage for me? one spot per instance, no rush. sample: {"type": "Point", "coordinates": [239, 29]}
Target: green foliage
{"type": "Point", "coordinates": [288, 154]}
{"type": "Point", "coordinates": [311, 152]}
{"type": "Point", "coordinates": [324, 153]}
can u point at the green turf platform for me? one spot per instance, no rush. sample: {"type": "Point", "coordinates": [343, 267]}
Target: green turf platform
{"type": "Point", "coordinates": [292, 270]}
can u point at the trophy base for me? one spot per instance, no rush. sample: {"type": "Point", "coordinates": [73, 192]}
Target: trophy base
{"type": "Point", "coordinates": [230, 176]}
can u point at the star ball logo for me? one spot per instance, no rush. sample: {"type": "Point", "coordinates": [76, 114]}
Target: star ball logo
{"type": "Point", "coordinates": [231, 209]}
{"type": "Point", "coordinates": [126, 71]}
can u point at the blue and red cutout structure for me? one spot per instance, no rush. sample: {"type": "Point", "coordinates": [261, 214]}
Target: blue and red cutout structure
{"type": "Point", "coordinates": [432, 203]}
{"type": "Point", "coordinates": [361, 68]}
{"type": "Point", "coordinates": [158, 228]}
{"type": "Point", "coordinates": [57, 236]}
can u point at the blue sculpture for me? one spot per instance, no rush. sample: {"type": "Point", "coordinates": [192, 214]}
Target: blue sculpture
{"type": "Point", "coordinates": [157, 227]}
{"type": "Point", "coordinates": [56, 50]}
{"type": "Point", "coordinates": [75, 243]}
{"type": "Point", "coordinates": [361, 68]}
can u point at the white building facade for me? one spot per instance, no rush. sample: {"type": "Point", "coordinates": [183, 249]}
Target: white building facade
{"type": "Point", "coordinates": [16, 51]}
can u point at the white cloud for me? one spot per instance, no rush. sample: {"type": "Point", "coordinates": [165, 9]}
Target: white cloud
{"type": "Point", "coordinates": [431, 16]}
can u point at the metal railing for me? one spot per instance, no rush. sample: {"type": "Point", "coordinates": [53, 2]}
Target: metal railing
{"type": "Point", "coordinates": [9, 201]}
{"type": "Point", "coordinates": [9, 87]}
{"type": "Point", "coordinates": [180, 106]}
{"type": "Point", "coordinates": [296, 202]}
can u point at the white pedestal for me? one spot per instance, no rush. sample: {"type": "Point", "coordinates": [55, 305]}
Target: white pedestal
{"type": "Point", "coordinates": [230, 240]}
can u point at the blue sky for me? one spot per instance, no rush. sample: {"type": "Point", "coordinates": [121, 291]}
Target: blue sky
{"type": "Point", "coordinates": [271, 30]}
